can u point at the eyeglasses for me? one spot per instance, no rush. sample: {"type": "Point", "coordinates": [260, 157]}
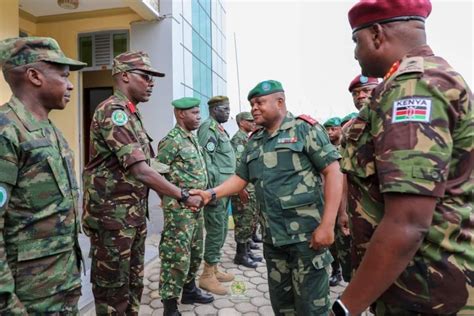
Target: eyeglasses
{"type": "Point", "coordinates": [148, 78]}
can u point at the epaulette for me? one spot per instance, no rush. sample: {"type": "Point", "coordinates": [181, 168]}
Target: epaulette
{"type": "Point", "coordinates": [255, 132]}
{"type": "Point", "coordinates": [308, 119]}
{"type": "Point", "coordinates": [410, 65]}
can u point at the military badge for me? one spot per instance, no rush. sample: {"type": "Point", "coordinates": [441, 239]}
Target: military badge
{"type": "Point", "coordinates": [266, 86]}
{"type": "Point", "coordinates": [119, 117]}
{"type": "Point", "coordinates": [210, 146]}
{"type": "Point", "coordinates": [240, 148]}
{"type": "Point", "coordinates": [414, 109]}
{"type": "Point", "coordinates": [287, 140]}
{"type": "Point", "coordinates": [363, 79]}
{"type": "Point", "coordinates": [3, 196]}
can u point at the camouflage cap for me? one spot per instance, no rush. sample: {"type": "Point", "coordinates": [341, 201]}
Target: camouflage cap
{"type": "Point", "coordinates": [264, 88]}
{"type": "Point", "coordinates": [218, 100]}
{"type": "Point", "coordinates": [244, 116]}
{"type": "Point", "coordinates": [134, 61]}
{"type": "Point", "coordinates": [19, 51]}
{"type": "Point", "coordinates": [186, 103]}
{"type": "Point", "coordinates": [333, 122]}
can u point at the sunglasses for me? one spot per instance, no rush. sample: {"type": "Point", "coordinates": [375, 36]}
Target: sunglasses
{"type": "Point", "coordinates": [148, 78]}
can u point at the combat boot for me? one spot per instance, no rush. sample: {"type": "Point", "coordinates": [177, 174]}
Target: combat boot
{"type": "Point", "coordinates": [170, 307]}
{"type": "Point", "coordinates": [223, 276]}
{"type": "Point", "coordinates": [255, 238]}
{"type": "Point", "coordinates": [209, 282]}
{"type": "Point", "coordinates": [242, 257]}
{"type": "Point", "coordinates": [253, 256]}
{"type": "Point", "coordinates": [192, 294]}
{"type": "Point", "coordinates": [336, 278]}
{"type": "Point", "coordinates": [253, 245]}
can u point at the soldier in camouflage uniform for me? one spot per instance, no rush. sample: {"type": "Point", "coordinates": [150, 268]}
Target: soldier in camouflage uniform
{"type": "Point", "coordinates": [285, 161]}
{"type": "Point", "coordinates": [244, 205]}
{"type": "Point", "coordinates": [409, 162]}
{"type": "Point", "coordinates": [39, 225]}
{"type": "Point", "coordinates": [181, 245]}
{"type": "Point", "coordinates": [116, 184]}
{"type": "Point", "coordinates": [220, 161]}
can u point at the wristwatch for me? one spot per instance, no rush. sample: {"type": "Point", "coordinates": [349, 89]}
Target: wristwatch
{"type": "Point", "coordinates": [213, 194]}
{"type": "Point", "coordinates": [339, 309]}
{"type": "Point", "coordinates": [184, 196]}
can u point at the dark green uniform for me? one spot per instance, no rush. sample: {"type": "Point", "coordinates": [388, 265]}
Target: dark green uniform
{"type": "Point", "coordinates": [181, 245]}
{"type": "Point", "coordinates": [220, 162]}
{"type": "Point", "coordinates": [284, 167]}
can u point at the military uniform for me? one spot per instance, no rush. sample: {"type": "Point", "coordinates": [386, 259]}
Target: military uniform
{"type": "Point", "coordinates": [284, 167]}
{"type": "Point", "coordinates": [220, 161]}
{"type": "Point", "coordinates": [181, 245]}
{"type": "Point", "coordinates": [245, 215]}
{"type": "Point", "coordinates": [39, 250]}
{"type": "Point", "coordinates": [115, 202]}
{"type": "Point", "coordinates": [416, 137]}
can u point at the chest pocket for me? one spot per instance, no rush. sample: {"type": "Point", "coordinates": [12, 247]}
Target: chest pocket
{"type": "Point", "coordinates": [43, 179]}
{"type": "Point", "coordinates": [227, 158]}
{"type": "Point", "coordinates": [254, 165]}
{"type": "Point", "coordinates": [288, 157]}
{"type": "Point", "coordinates": [358, 157]}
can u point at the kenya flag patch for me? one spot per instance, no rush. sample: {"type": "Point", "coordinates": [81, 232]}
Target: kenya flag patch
{"type": "Point", "coordinates": [411, 110]}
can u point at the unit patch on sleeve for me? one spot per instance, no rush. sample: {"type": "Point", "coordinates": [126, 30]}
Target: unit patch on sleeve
{"type": "Point", "coordinates": [119, 118]}
{"type": "Point", "coordinates": [3, 196]}
{"type": "Point", "coordinates": [415, 109]}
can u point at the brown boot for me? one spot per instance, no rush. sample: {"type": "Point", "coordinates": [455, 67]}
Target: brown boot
{"type": "Point", "coordinates": [223, 276]}
{"type": "Point", "coordinates": [209, 282]}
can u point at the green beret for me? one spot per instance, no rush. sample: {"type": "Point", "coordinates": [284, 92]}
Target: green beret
{"type": "Point", "coordinates": [244, 116]}
{"type": "Point", "coordinates": [332, 122]}
{"type": "Point", "coordinates": [218, 100]}
{"type": "Point", "coordinates": [265, 88]}
{"type": "Point", "coordinates": [19, 51]}
{"type": "Point", "coordinates": [349, 117]}
{"type": "Point", "coordinates": [186, 103]}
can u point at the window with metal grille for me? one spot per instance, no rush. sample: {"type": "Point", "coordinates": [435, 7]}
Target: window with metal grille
{"type": "Point", "coordinates": [99, 49]}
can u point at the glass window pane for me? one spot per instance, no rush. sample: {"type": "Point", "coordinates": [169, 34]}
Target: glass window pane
{"type": "Point", "coordinates": [120, 43]}
{"type": "Point", "coordinates": [85, 50]}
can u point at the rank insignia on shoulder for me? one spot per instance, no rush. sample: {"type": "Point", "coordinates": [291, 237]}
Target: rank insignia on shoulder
{"type": "Point", "coordinates": [415, 109]}
{"type": "Point", "coordinates": [287, 140]}
{"type": "Point", "coordinates": [3, 196]}
{"type": "Point", "coordinates": [308, 119]}
{"type": "Point", "coordinates": [210, 146]}
{"type": "Point", "coordinates": [119, 117]}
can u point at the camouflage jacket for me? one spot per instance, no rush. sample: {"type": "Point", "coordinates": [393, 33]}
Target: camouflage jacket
{"type": "Point", "coordinates": [218, 152]}
{"type": "Point", "coordinates": [416, 137]}
{"type": "Point", "coordinates": [285, 169]}
{"type": "Point", "coordinates": [181, 152]}
{"type": "Point", "coordinates": [113, 198]}
{"type": "Point", "coordinates": [38, 209]}
{"type": "Point", "coordinates": [238, 142]}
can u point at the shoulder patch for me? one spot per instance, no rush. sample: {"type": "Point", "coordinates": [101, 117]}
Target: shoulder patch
{"type": "Point", "coordinates": [414, 109]}
{"type": "Point", "coordinates": [210, 146]}
{"type": "Point", "coordinates": [411, 65]}
{"type": "Point", "coordinates": [119, 117]}
{"type": "Point", "coordinates": [3, 196]}
{"type": "Point", "coordinates": [240, 148]}
{"type": "Point", "coordinates": [308, 119]}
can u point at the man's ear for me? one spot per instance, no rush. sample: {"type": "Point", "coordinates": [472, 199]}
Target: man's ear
{"type": "Point", "coordinates": [378, 35]}
{"type": "Point", "coordinates": [124, 76]}
{"type": "Point", "coordinates": [35, 77]}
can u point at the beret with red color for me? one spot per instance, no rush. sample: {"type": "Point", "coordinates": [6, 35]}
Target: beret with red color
{"type": "Point", "coordinates": [361, 80]}
{"type": "Point", "coordinates": [367, 12]}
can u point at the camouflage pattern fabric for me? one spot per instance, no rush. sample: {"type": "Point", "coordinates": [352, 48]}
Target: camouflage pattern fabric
{"type": "Point", "coordinates": [343, 253]}
{"type": "Point", "coordinates": [220, 162]}
{"type": "Point", "coordinates": [39, 250]}
{"type": "Point", "coordinates": [134, 60]}
{"type": "Point", "coordinates": [416, 137]}
{"type": "Point", "coordinates": [285, 169]}
{"type": "Point", "coordinates": [113, 198]}
{"type": "Point", "coordinates": [245, 215]}
{"type": "Point", "coordinates": [181, 245]}
{"type": "Point", "coordinates": [298, 279]}
{"type": "Point", "coordinates": [117, 270]}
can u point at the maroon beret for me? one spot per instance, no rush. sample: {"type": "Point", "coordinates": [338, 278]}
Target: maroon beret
{"type": "Point", "coordinates": [367, 12]}
{"type": "Point", "coordinates": [360, 81]}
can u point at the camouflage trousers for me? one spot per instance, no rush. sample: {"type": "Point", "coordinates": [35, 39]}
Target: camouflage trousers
{"type": "Point", "coordinates": [341, 252]}
{"type": "Point", "coordinates": [117, 269]}
{"type": "Point", "coordinates": [383, 309]}
{"type": "Point", "coordinates": [298, 279]}
{"type": "Point", "coordinates": [245, 217]}
{"type": "Point", "coordinates": [181, 250]}
{"type": "Point", "coordinates": [216, 221]}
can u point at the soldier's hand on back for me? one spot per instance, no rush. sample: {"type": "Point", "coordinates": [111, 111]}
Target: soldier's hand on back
{"type": "Point", "coordinates": [323, 237]}
{"type": "Point", "coordinates": [244, 196]}
{"type": "Point", "coordinates": [343, 223]}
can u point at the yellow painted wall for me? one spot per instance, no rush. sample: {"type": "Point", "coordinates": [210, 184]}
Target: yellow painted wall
{"type": "Point", "coordinates": [9, 27]}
